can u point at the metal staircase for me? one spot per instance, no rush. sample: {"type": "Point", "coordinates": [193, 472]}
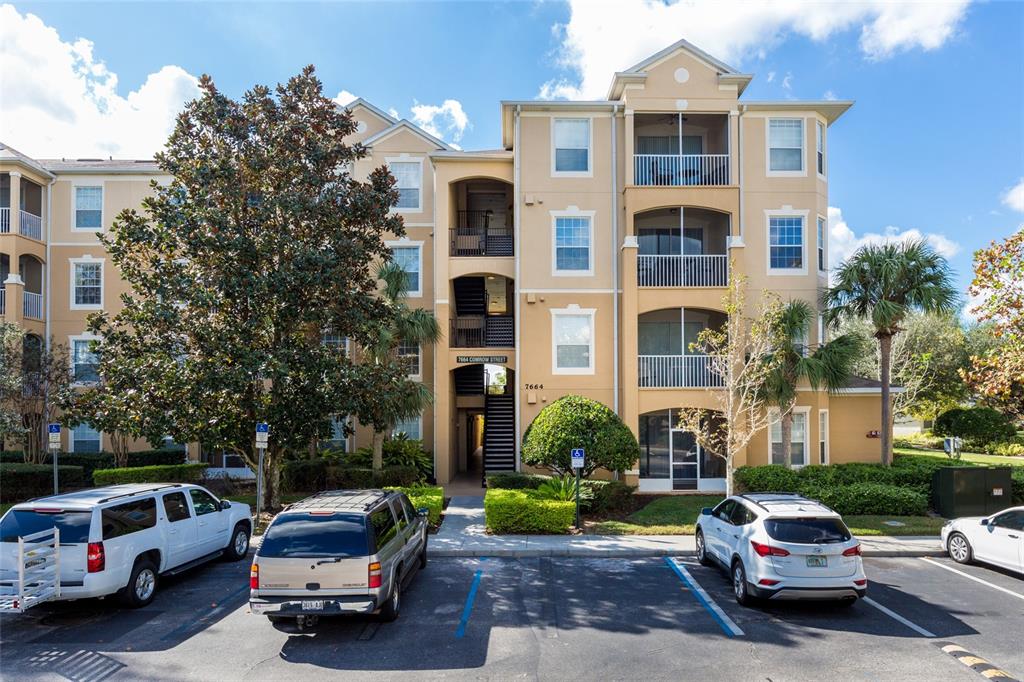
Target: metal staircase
{"type": "Point", "coordinates": [499, 433]}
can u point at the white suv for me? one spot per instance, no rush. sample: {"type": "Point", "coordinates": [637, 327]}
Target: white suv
{"type": "Point", "coordinates": [120, 538]}
{"type": "Point", "coordinates": [782, 546]}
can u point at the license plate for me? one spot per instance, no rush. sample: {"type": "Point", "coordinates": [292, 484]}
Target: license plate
{"type": "Point", "coordinates": [315, 605]}
{"type": "Point", "coordinates": [817, 561]}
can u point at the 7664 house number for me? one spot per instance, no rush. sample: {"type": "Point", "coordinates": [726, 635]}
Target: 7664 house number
{"type": "Point", "coordinates": [534, 387]}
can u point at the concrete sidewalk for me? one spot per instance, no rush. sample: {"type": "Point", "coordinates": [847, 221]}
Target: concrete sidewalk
{"type": "Point", "coordinates": [463, 534]}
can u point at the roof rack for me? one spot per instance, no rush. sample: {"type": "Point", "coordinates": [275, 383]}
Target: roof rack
{"type": "Point", "coordinates": [789, 497]}
{"type": "Point", "coordinates": [369, 498]}
{"type": "Point", "coordinates": [139, 492]}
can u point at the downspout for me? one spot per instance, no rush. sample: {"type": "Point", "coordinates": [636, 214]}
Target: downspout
{"type": "Point", "coordinates": [615, 260]}
{"type": "Point", "coordinates": [516, 222]}
{"type": "Point", "coordinates": [739, 162]}
{"type": "Point", "coordinates": [48, 288]}
{"type": "Point", "coordinates": [433, 348]}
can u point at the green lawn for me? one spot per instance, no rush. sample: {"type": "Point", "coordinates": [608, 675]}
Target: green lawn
{"type": "Point", "coordinates": [874, 525]}
{"type": "Point", "coordinates": [976, 457]}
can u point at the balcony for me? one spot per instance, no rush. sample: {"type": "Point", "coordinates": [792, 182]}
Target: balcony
{"type": "Point", "coordinates": [32, 305]}
{"type": "Point", "coordinates": [682, 247]}
{"type": "Point", "coordinates": [481, 233]}
{"type": "Point", "coordinates": [27, 200]}
{"type": "Point", "coordinates": [677, 150]}
{"type": "Point", "coordinates": [31, 225]}
{"type": "Point", "coordinates": [482, 331]}
{"type": "Point", "coordinates": [682, 271]}
{"type": "Point", "coordinates": [677, 371]}
{"type": "Point", "coordinates": [668, 352]}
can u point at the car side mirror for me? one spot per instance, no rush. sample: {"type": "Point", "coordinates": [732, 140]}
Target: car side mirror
{"type": "Point", "coordinates": [706, 511]}
{"type": "Point", "coordinates": [423, 511]}
{"type": "Point", "coordinates": [985, 522]}
{"type": "Point", "coordinates": [224, 504]}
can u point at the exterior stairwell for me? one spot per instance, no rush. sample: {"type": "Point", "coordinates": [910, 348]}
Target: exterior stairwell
{"type": "Point", "coordinates": [499, 433]}
{"type": "Point", "coordinates": [470, 296]}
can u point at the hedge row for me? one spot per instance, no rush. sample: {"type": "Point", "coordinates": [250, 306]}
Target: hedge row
{"type": "Point", "coordinates": [91, 461]}
{"type": "Point", "coordinates": [310, 475]}
{"type": "Point", "coordinates": [160, 473]}
{"type": "Point", "coordinates": [522, 511]}
{"type": "Point", "coordinates": [871, 498]}
{"type": "Point", "coordinates": [429, 497]}
{"type": "Point", "coordinates": [22, 481]}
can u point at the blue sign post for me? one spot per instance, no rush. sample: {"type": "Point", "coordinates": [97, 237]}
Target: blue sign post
{"type": "Point", "coordinates": [577, 456]}
{"type": "Point", "coordinates": [54, 432]}
{"type": "Point", "coordinates": [262, 435]}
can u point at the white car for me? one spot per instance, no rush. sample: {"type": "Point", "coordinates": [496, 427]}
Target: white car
{"type": "Point", "coordinates": [782, 546]}
{"type": "Point", "coordinates": [121, 538]}
{"type": "Point", "coordinates": [996, 539]}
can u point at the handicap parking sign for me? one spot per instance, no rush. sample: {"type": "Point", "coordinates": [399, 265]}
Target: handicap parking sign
{"type": "Point", "coordinates": [577, 458]}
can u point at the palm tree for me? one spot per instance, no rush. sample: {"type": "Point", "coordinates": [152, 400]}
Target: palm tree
{"type": "Point", "coordinates": [408, 325]}
{"type": "Point", "coordinates": [884, 283]}
{"type": "Point", "coordinates": [829, 366]}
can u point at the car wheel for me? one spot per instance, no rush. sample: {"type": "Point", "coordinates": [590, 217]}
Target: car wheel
{"type": "Point", "coordinates": [141, 585]}
{"type": "Point", "coordinates": [959, 548]}
{"type": "Point", "coordinates": [389, 611]}
{"type": "Point", "coordinates": [239, 545]}
{"type": "Point", "coordinates": [702, 550]}
{"type": "Point", "coordinates": [739, 584]}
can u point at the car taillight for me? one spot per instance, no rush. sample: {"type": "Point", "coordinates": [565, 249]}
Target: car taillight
{"type": "Point", "coordinates": [767, 581]}
{"type": "Point", "coordinates": [766, 550]}
{"type": "Point", "coordinates": [852, 551]}
{"type": "Point", "coordinates": [95, 558]}
{"type": "Point", "coordinates": [375, 576]}
{"type": "Point", "coordinates": [254, 577]}
{"type": "Point", "coordinates": [861, 583]}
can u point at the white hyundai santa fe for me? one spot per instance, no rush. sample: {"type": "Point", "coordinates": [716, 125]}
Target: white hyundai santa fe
{"type": "Point", "coordinates": [782, 546]}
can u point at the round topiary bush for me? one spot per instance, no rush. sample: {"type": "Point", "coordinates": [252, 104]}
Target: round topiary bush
{"type": "Point", "coordinates": [577, 422]}
{"type": "Point", "coordinates": [979, 425]}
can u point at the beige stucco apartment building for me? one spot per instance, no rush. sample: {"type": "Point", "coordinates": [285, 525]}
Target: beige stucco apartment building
{"type": "Point", "coordinates": [582, 257]}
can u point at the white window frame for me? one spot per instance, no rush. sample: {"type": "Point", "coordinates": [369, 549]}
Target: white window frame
{"type": "Point", "coordinates": [345, 346]}
{"type": "Point", "coordinates": [572, 311]}
{"type": "Point", "coordinates": [821, 239]}
{"type": "Point", "coordinates": [589, 173]}
{"type": "Point", "coordinates": [408, 159]}
{"type": "Point", "coordinates": [85, 336]}
{"type": "Point", "coordinates": [784, 213]}
{"type": "Point", "coordinates": [821, 329]}
{"type": "Point", "coordinates": [572, 212]}
{"type": "Point", "coordinates": [71, 439]}
{"type": "Point", "coordinates": [74, 206]}
{"type": "Point", "coordinates": [823, 429]}
{"type": "Point", "coordinates": [821, 146]}
{"type": "Point", "coordinates": [774, 419]}
{"type": "Point", "coordinates": [419, 362]}
{"type": "Point", "coordinates": [73, 262]}
{"type": "Point", "coordinates": [419, 427]}
{"type": "Point", "coordinates": [404, 243]}
{"type": "Point", "coordinates": [802, 173]}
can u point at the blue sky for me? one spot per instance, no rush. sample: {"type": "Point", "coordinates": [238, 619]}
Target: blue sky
{"type": "Point", "coordinates": [934, 142]}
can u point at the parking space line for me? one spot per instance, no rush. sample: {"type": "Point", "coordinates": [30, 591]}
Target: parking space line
{"type": "Point", "coordinates": [895, 616]}
{"type": "Point", "coordinates": [467, 610]}
{"type": "Point", "coordinates": [975, 579]}
{"type": "Point", "coordinates": [724, 621]}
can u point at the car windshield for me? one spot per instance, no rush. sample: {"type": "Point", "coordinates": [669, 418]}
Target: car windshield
{"type": "Point", "coordinates": [808, 531]}
{"type": "Point", "coordinates": [73, 525]}
{"type": "Point", "coordinates": [315, 535]}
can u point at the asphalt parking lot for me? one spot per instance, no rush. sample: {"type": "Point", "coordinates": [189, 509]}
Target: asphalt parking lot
{"type": "Point", "coordinates": [542, 618]}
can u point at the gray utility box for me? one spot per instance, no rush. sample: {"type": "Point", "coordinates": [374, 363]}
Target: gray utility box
{"type": "Point", "coordinates": [971, 491]}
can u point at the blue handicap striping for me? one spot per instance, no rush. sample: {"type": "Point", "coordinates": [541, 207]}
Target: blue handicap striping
{"type": "Point", "coordinates": [728, 626]}
{"type": "Point", "coordinates": [467, 610]}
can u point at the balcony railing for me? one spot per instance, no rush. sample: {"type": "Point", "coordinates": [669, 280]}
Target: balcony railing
{"type": "Point", "coordinates": [5, 220]}
{"type": "Point", "coordinates": [482, 331]}
{"type": "Point", "coordinates": [682, 271]}
{"type": "Point", "coordinates": [32, 305]}
{"type": "Point", "coordinates": [31, 225]}
{"type": "Point", "coordinates": [3, 300]}
{"type": "Point", "coordinates": [481, 233]}
{"type": "Point", "coordinates": [677, 371]}
{"type": "Point", "coordinates": [681, 170]}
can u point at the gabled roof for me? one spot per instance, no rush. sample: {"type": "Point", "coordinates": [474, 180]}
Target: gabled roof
{"type": "Point", "coordinates": [8, 153]}
{"type": "Point", "coordinates": [831, 109]}
{"type": "Point", "coordinates": [109, 166]}
{"type": "Point", "coordinates": [638, 72]}
{"type": "Point", "coordinates": [686, 45]}
{"type": "Point", "coordinates": [411, 127]}
{"type": "Point", "coordinates": [377, 111]}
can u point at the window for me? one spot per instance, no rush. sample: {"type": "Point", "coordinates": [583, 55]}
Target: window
{"type": "Point", "coordinates": [571, 142]}
{"type": "Point", "coordinates": [84, 438]}
{"type": "Point", "coordinates": [408, 176]}
{"type": "Point", "coordinates": [88, 208]}
{"type": "Point", "coordinates": [821, 147]}
{"type": "Point", "coordinates": [409, 355]}
{"type": "Point", "coordinates": [573, 340]}
{"type": "Point", "coordinates": [1014, 520]}
{"type": "Point", "coordinates": [821, 244]}
{"type": "Point", "coordinates": [84, 362]}
{"type": "Point", "coordinates": [87, 284]}
{"type": "Point", "coordinates": [384, 528]}
{"type": "Point", "coordinates": [203, 502]}
{"type": "Point", "coordinates": [339, 439]}
{"type": "Point", "coordinates": [176, 507]}
{"type": "Point", "coordinates": [408, 258]}
{"type": "Point", "coordinates": [572, 240]}
{"type": "Point", "coordinates": [821, 329]}
{"type": "Point", "coordinates": [304, 535]}
{"type": "Point", "coordinates": [335, 342]}
{"type": "Point", "coordinates": [807, 531]}
{"type": "Point", "coordinates": [396, 507]}
{"type": "Point", "coordinates": [73, 525]}
{"type": "Point", "coordinates": [741, 516]}
{"type": "Point", "coordinates": [724, 511]}
{"type": "Point", "coordinates": [407, 506]}
{"type": "Point", "coordinates": [798, 439]}
{"type": "Point", "coordinates": [410, 427]}
{"type": "Point", "coordinates": [785, 243]}
{"type": "Point", "coordinates": [131, 517]}
{"type": "Point", "coordinates": [822, 436]}
{"type": "Point", "coordinates": [786, 145]}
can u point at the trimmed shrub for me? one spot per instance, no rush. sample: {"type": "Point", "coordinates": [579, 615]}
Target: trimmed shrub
{"type": "Point", "coordinates": [91, 461]}
{"type": "Point", "coordinates": [773, 478]}
{"type": "Point", "coordinates": [573, 421]}
{"type": "Point", "coordinates": [24, 481]}
{"type": "Point", "coordinates": [871, 498]}
{"type": "Point", "coordinates": [611, 496]}
{"type": "Point", "coordinates": [979, 425]}
{"type": "Point", "coordinates": [514, 480]}
{"type": "Point", "coordinates": [303, 475]}
{"type": "Point", "coordinates": [1007, 449]}
{"type": "Point", "coordinates": [522, 511]}
{"type": "Point", "coordinates": [429, 497]}
{"type": "Point", "coordinates": [159, 473]}
{"type": "Point", "coordinates": [348, 477]}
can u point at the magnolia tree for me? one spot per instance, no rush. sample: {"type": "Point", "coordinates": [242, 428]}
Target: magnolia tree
{"type": "Point", "coordinates": [744, 356]}
{"type": "Point", "coordinates": [260, 243]}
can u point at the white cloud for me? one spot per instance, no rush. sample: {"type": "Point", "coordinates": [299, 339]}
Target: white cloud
{"type": "Point", "coordinates": [829, 95]}
{"type": "Point", "coordinates": [442, 120]}
{"type": "Point", "coordinates": [771, 76]}
{"type": "Point", "coordinates": [61, 101]}
{"type": "Point", "coordinates": [787, 82]}
{"type": "Point", "coordinates": [604, 37]}
{"type": "Point", "coordinates": [344, 98]}
{"type": "Point", "coordinates": [393, 112]}
{"type": "Point", "coordinates": [1014, 197]}
{"type": "Point", "coordinates": [843, 241]}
